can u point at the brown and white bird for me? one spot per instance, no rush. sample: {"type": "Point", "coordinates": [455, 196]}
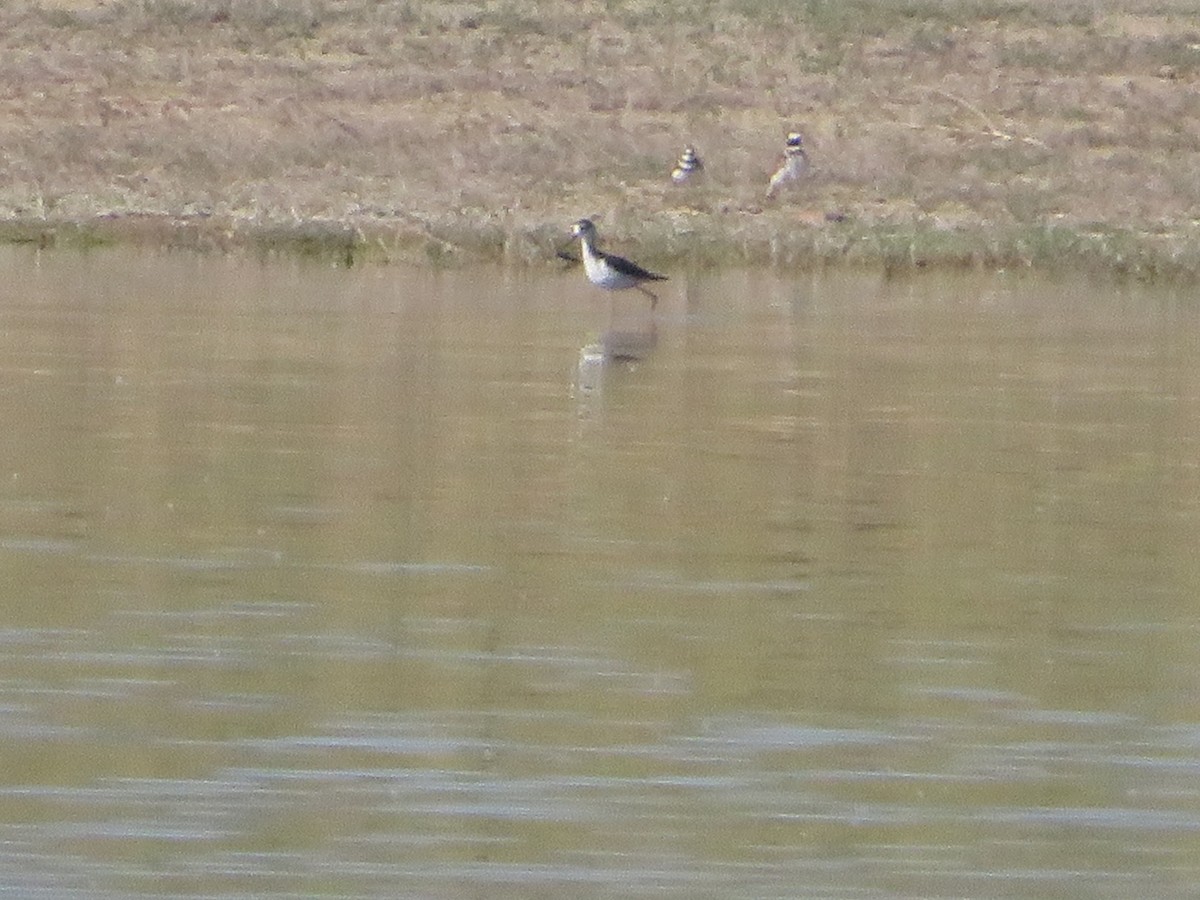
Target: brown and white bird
{"type": "Point", "coordinates": [688, 168]}
{"type": "Point", "coordinates": [795, 165]}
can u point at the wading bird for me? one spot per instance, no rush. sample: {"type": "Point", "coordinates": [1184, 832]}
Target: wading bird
{"type": "Point", "coordinates": [609, 271]}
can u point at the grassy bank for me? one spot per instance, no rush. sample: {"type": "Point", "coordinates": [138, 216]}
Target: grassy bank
{"type": "Point", "coordinates": [976, 132]}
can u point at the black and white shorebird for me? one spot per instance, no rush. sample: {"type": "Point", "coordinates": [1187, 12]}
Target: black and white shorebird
{"type": "Point", "coordinates": [688, 168]}
{"type": "Point", "coordinates": [611, 272]}
{"type": "Point", "coordinates": [795, 165]}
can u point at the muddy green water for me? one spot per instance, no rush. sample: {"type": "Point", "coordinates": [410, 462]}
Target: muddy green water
{"type": "Point", "coordinates": [379, 583]}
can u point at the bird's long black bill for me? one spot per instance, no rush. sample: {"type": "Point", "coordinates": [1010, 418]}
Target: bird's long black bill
{"type": "Point", "coordinates": [563, 253]}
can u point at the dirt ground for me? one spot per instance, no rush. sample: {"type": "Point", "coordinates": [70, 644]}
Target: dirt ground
{"type": "Point", "coordinates": [983, 132]}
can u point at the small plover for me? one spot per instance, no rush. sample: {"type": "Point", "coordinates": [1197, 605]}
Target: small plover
{"type": "Point", "coordinates": [688, 168]}
{"type": "Point", "coordinates": [795, 165]}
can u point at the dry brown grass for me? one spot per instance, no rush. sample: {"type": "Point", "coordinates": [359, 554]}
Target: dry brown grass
{"type": "Point", "coordinates": [979, 131]}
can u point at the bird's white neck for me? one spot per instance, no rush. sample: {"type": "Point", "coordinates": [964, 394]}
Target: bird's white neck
{"type": "Point", "coordinates": [588, 246]}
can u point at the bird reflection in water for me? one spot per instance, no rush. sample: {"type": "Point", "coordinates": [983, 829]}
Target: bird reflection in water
{"type": "Point", "coordinates": [631, 335]}
{"type": "Point", "coordinates": [628, 340]}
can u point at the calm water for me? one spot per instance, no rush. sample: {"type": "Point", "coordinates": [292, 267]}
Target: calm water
{"type": "Point", "coordinates": [372, 583]}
